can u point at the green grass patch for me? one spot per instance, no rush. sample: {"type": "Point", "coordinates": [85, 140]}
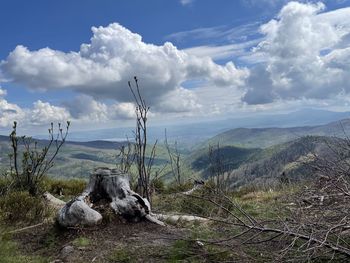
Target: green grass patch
{"type": "Point", "coordinates": [81, 242]}
{"type": "Point", "coordinates": [191, 251]}
{"type": "Point", "coordinates": [68, 187]}
{"type": "Point", "coordinates": [20, 207]}
{"type": "Point", "coordinates": [180, 251]}
{"type": "Point", "coordinates": [122, 255]}
{"type": "Point", "coordinates": [9, 253]}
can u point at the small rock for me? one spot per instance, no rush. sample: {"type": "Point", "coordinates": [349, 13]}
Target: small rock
{"type": "Point", "coordinates": [199, 243]}
{"type": "Point", "coordinates": [66, 252]}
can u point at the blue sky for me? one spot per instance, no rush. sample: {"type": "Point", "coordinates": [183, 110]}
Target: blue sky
{"type": "Point", "coordinates": [223, 58]}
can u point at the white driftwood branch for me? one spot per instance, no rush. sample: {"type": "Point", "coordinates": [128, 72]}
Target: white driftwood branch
{"type": "Point", "coordinates": [174, 219]}
{"type": "Point", "coordinates": [53, 202]}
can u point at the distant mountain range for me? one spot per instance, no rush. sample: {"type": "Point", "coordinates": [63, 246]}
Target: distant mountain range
{"type": "Point", "coordinates": [98, 144]}
{"type": "Point", "coordinates": [190, 134]}
{"type": "Point", "coordinates": [76, 159]}
{"type": "Point", "coordinates": [255, 153]}
{"type": "Point", "coordinates": [265, 137]}
{"type": "Point", "coordinates": [244, 150]}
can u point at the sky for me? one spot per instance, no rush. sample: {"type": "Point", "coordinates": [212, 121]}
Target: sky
{"type": "Point", "coordinates": [195, 60]}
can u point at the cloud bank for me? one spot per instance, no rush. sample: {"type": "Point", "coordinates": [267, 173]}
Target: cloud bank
{"type": "Point", "coordinates": [103, 67]}
{"type": "Point", "coordinates": [301, 56]}
{"type": "Point", "coordinates": [307, 55]}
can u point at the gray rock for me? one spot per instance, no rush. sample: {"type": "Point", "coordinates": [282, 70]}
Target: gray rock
{"type": "Point", "coordinates": [66, 252]}
{"type": "Point", "coordinates": [77, 212]}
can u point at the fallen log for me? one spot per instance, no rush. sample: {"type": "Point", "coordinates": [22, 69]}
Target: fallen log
{"type": "Point", "coordinates": [174, 219]}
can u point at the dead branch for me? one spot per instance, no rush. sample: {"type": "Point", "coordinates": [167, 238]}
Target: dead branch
{"type": "Point", "coordinates": [143, 167]}
{"type": "Point", "coordinates": [175, 160]}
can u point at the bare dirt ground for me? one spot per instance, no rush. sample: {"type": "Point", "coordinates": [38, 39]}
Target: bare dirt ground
{"type": "Point", "coordinates": [115, 241]}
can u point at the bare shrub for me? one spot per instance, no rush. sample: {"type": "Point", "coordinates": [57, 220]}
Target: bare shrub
{"type": "Point", "coordinates": [28, 167]}
{"type": "Point", "coordinates": [126, 156]}
{"type": "Point", "coordinates": [144, 164]}
{"type": "Point", "coordinates": [175, 161]}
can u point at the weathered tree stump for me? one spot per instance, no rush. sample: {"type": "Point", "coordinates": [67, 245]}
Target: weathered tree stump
{"type": "Point", "coordinates": [112, 187]}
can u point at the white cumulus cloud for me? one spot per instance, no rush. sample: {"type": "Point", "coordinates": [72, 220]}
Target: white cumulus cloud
{"type": "Point", "coordinates": [179, 101]}
{"type": "Point", "coordinates": [41, 113]}
{"type": "Point", "coordinates": [103, 67]}
{"type": "Point", "coordinates": [45, 113]}
{"type": "Point", "coordinates": [306, 55]}
{"type": "Point", "coordinates": [124, 111]}
{"type": "Point", "coordinates": [85, 108]}
{"type": "Point", "coordinates": [2, 92]}
{"type": "Point", "coordinates": [9, 112]}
